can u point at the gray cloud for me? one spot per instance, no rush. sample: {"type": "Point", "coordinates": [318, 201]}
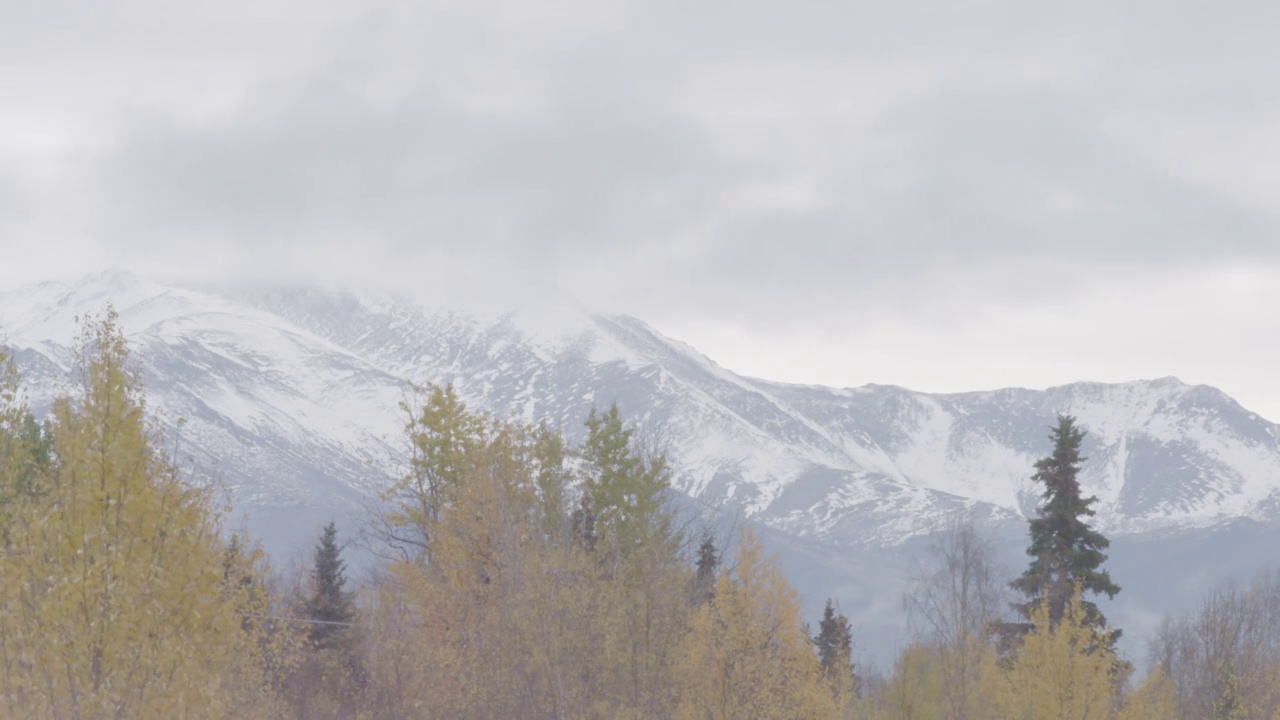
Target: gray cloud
{"type": "Point", "coordinates": [816, 163]}
{"type": "Point", "coordinates": [12, 202]}
{"type": "Point", "coordinates": [994, 179]}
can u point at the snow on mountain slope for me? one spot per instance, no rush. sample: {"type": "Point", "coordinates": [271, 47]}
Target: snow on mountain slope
{"type": "Point", "coordinates": [277, 413]}
{"type": "Point", "coordinates": [290, 394]}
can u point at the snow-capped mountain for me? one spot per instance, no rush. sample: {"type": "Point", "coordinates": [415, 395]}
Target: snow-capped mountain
{"type": "Point", "coordinates": [289, 394]}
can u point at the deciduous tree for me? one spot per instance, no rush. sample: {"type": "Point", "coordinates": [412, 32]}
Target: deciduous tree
{"type": "Point", "coordinates": [955, 604]}
{"type": "Point", "coordinates": [746, 654]}
{"type": "Point", "coordinates": [1063, 669]}
{"type": "Point", "coordinates": [116, 601]}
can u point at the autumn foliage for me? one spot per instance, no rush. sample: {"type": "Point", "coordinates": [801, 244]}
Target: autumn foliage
{"type": "Point", "coordinates": [119, 595]}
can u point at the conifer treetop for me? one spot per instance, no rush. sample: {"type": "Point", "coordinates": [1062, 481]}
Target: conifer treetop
{"type": "Point", "coordinates": [1064, 549]}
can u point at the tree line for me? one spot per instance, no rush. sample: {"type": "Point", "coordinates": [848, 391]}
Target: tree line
{"type": "Point", "coordinates": [519, 576]}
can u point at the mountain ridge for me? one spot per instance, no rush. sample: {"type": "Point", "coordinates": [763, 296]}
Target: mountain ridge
{"type": "Point", "coordinates": [314, 375]}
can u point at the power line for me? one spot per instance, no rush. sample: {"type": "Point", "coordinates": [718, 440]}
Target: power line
{"type": "Point", "coordinates": [303, 620]}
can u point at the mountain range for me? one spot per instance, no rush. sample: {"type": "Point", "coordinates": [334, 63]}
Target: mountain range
{"type": "Point", "coordinates": [289, 394]}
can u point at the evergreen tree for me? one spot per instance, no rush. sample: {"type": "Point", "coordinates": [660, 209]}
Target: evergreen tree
{"type": "Point", "coordinates": [330, 602]}
{"type": "Point", "coordinates": [834, 643]}
{"type": "Point", "coordinates": [1065, 551]}
{"type": "Point", "coordinates": [704, 580]}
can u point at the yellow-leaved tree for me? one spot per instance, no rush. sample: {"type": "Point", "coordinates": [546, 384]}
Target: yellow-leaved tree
{"type": "Point", "coordinates": [915, 691]}
{"type": "Point", "coordinates": [746, 654]}
{"type": "Point", "coordinates": [1062, 671]}
{"type": "Point", "coordinates": [1155, 699]}
{"type": "Point", "coordinates": [120, 598]}
{"type": "Point", "coordinates": [499, 602]}
{"type": "Point", "coordinates": [457, 622]}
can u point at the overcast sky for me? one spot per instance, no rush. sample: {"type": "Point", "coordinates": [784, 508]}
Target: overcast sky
{"type": "Point", "coordinates": [940, 195]}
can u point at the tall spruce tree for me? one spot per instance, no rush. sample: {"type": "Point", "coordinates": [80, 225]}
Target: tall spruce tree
{"type": "Point", "coordinates": [834, 643]}
{"type": "Point", "coordinates": [1065, 551]}
{"type": "Point", "coordinates": [330, 602]}
{"type": "Point", "coordinates": [704, 579]}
